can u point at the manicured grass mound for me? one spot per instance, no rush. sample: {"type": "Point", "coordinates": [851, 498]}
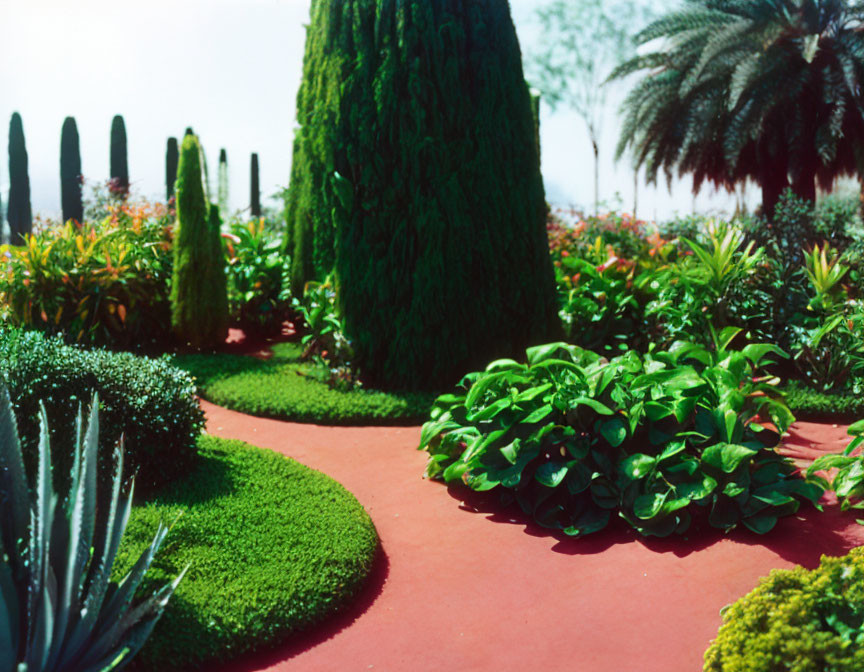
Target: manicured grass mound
{"type": "Point", "coordinates": [796, 620]}
{"type": "Point", "coordinates": [272, 547]}
{"type": "Point", "coordinates": [808, 404]}
{"type": "Point", "coordinates": [283, 388]}
{"type": "Point", "coordinates": [148, 402]}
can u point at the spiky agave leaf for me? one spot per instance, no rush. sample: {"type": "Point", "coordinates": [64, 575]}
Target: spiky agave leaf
{"type": "Point", "coordinates": [59, 611]}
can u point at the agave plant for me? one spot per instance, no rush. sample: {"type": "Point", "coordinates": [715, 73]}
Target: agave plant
{"type": "Point", "coordinates": [59, 610]}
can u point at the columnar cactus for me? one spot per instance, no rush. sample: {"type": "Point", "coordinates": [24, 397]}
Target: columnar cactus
{"type": "Point", "coordinates": [71, 182]}
{"type": "Point", "coordinates": [18, 213]}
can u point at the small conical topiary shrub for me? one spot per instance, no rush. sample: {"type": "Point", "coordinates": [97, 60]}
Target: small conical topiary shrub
{"type": "Point", "coordinates": [172, 156]}
{"type": "Point", "coordinates": [416, 180]}
{"type": "Point", "coordinates": [199, 303]}
{"type": "Point", "coordinates": [223, 182]}
{"type": "Point", "coordinates": [19, 213]}
{"type": "Point", "coordinates": [255, 189]}
{"type": "Point", "coordinates": [70, 172]}
{"type": "Point", "coordinates": [119, 157]}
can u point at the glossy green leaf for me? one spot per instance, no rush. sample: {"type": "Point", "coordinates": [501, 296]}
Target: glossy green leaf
{"type": "Point", "coordinates": [614, 430]}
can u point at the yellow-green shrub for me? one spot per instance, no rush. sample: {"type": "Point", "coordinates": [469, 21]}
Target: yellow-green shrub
{"type": "Point", "coordinates": [796, 621]}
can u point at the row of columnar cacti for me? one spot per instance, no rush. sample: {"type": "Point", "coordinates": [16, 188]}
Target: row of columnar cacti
{"type": "Point", "coordinates": [18, 206]}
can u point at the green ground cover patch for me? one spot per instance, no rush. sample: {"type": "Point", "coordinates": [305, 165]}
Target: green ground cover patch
{"type": "Point", "coordinates": [809, 404]}
{"type": "Point", "coordinates": [283, 388]}
{"type": "Point", "coordinates": [273, 547]}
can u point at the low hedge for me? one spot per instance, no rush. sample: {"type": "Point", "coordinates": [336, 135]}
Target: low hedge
{"type": "Point", "coordinates": [797, 621]}
{"type": "Point", "coordinates": [283, 388]}
{"type": "Point", "coordinates": [148, 402]}
{"type": "Point", "coordinates": [809, 404]}
{"type": "Point", "coordinates": [272, 546]}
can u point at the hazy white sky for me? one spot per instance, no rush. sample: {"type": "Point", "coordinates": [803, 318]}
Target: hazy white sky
{"type": "Point", "coordinates": [230, 69]}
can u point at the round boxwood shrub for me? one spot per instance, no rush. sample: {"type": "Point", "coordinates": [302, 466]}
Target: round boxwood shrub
{"type": "Point", "coordinates": [796, 620]}
{"type": "Point", "coordinates": [273, 547]}
{"type": "Point", "coordinates": [148, 402]}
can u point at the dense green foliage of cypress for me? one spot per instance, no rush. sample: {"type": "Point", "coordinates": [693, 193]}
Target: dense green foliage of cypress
{"type": "Point", "coordinates": [417, 154]}
{"type": "Point", "coordinates": [19, 213]}
{"type": "Point", "coordinates": [310, 226]}
{"type": "Point", "coordinates": [199, 302]}
{"type": "Point", "coordinates": [255, 189]}
{"type": "Point", "coordinates": [70, 172]}
{"type": "Point", "coordinates": [119, 155]}
{"type": "Point", "coordinates": [172, 156]}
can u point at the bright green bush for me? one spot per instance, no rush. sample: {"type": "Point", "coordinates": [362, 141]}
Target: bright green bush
{"type": "Point", "coordinates": [199, 301]}
{"type": "Point", "coordinates": [273, 547]}
{"type": "Point", "coordinates": [574, 438]}
{"type": "Point", "coordinates": [101, 283]}
{"type": "Point", "coordinates": [286, 388]}
{"type": "Point", "coordinates": [418, 184]}
{"type": "Point", "coordinates": [147, 401]}
{"type": "Point", "coordinates": [796, 621]}
{"type": "Point", "coordinates": [59, 610]}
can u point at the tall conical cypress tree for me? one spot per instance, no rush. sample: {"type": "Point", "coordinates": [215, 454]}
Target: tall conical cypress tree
{"type": "Point", "coordinates": [255, 189]}
{"type": "Point", "coordinates": [223, 182]}
{"type": "Point", "coordinates": [70, 172]}
{"type": "Point", "coordinates": [417, 139]}
{"type": "Point", "coordinates": [18, 213]}
{"type": "Point", "coordinates": [119, 156]}
{"type": "Point", "coordinates": [199, 303]}
{"type": "Point", "coordinates": [172, 155]}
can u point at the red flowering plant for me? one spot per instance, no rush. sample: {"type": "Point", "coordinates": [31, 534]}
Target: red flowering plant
{"type": "Point", "coordinates": [103, 283]}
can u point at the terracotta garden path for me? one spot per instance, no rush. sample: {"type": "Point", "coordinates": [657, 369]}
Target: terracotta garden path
{"type": "Point", "coordinates": [460, 588]}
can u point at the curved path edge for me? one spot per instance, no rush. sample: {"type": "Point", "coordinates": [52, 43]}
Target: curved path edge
{"type": "Point", "coordinates": [461, 586]}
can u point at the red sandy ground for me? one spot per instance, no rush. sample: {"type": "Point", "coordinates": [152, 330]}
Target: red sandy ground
{"type": "Point", "coordinates": [459, 587]}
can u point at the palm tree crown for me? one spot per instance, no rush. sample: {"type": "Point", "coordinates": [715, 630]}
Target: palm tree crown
{"type": "Point", "coordinates": [768, 90]}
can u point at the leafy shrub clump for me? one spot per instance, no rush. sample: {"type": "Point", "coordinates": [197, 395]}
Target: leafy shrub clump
{"type": "Point", "coordinates": [847, 471]}
{"type": "Point", "coordinates": [104, 282]}
{"type": "Point", "coordinates": [796, 620]}
{"type": "Point", "coordinates": [272, 547]}
{"type": "Point", "coordinates": [325, 344]}
{"type": "Point", "coordinates": [573, 437]}
{"type": "Point", "coordinates": [148, 402]}
{"type": "Point", "coordinates": [287, 388]}
{"type": "Point", "coordinates": [259, 293]}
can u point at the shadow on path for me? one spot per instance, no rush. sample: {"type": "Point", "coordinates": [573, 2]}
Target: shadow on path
{"type": "Point", "coordinates": [802, 538]}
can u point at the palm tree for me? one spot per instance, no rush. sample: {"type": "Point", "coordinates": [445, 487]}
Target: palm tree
{"type": "Point", "coordinates": [768, 90]}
